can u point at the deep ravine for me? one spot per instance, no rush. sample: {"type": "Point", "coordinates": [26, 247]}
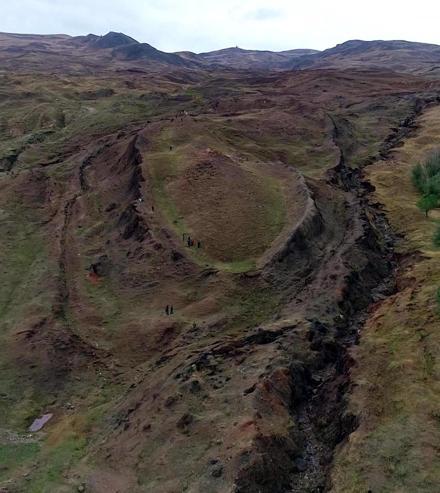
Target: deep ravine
{"type": "Point", "coordinates": [322, 416]}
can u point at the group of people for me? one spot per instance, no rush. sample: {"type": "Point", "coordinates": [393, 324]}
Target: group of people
{"type": "Point", "coordinates": [169, 310]}
{"type": "Point", "coordinates": [190, 242]}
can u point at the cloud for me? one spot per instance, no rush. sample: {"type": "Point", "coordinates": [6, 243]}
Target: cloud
{"type": "Point", "coordinates": [265, 14]}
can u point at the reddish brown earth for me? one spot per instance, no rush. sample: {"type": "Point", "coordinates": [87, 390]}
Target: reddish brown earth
{"type": "Point", "coordinates": [109, 152]}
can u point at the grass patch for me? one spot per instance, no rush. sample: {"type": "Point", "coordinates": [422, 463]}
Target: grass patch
{"type": "Point", "coordinates": [54, 462]}
{"type": "Point", "coordinates": [105, 300]}
{"type": "Point", "coordinates": [23, 260]}
{"type": "Point", "coordinates": [16, 455]}
{"type": "Point", "coordinates": [251, 307]}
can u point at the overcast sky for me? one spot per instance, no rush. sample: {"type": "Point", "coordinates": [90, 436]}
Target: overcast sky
{"type": "Point", "coordinates": [203, 25]}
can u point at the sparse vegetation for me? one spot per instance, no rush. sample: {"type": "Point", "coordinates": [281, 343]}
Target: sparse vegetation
{"type": "Point", "coordinates": [436, 237]}
{"type": "Point", "coordinates": [437, 297]}
{"type": "Point", "coordinates": [427, 203]}
{"type": "Point", "coordinates": [426, 178]}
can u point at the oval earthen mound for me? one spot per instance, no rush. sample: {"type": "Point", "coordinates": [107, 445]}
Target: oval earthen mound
{"type": "Point", "coordinates": [231, 210]}
{"type": "Point", "coordinates": [236, 208]}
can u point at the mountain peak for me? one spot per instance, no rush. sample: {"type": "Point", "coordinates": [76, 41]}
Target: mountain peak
{"type": "Point", "coordinates": [113, 40]}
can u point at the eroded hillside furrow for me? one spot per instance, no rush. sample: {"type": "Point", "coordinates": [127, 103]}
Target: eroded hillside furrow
{"type": "Point", "coordinates": [61, 307]}
{"type": "Point", "coordinates": [86, 162]}
{"type": "Point", "coordinates": [334, 270]}
{"type": "Point", "coordinates": [356, 270]}
{"type": "Point", "coordinates": [321, 415]}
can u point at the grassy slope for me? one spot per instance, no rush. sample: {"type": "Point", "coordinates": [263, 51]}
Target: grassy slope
{"type": "Point", "coordinates": [24, 299]}
{"type": "Point", "coordinates": [397, 394]}
{"type": "Point", "coordinates": [39, 464]}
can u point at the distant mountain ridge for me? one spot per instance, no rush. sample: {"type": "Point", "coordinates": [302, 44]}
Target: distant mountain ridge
{"type": "Point", "coordinates": [396, 55]}
{"type": "Point", "coordinates": [51, 51]}
{"type": "Point", "coordinates": [248, 59]}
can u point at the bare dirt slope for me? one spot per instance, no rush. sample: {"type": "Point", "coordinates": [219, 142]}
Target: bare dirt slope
{"type": "Point", "coordinates": [105, 176]}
